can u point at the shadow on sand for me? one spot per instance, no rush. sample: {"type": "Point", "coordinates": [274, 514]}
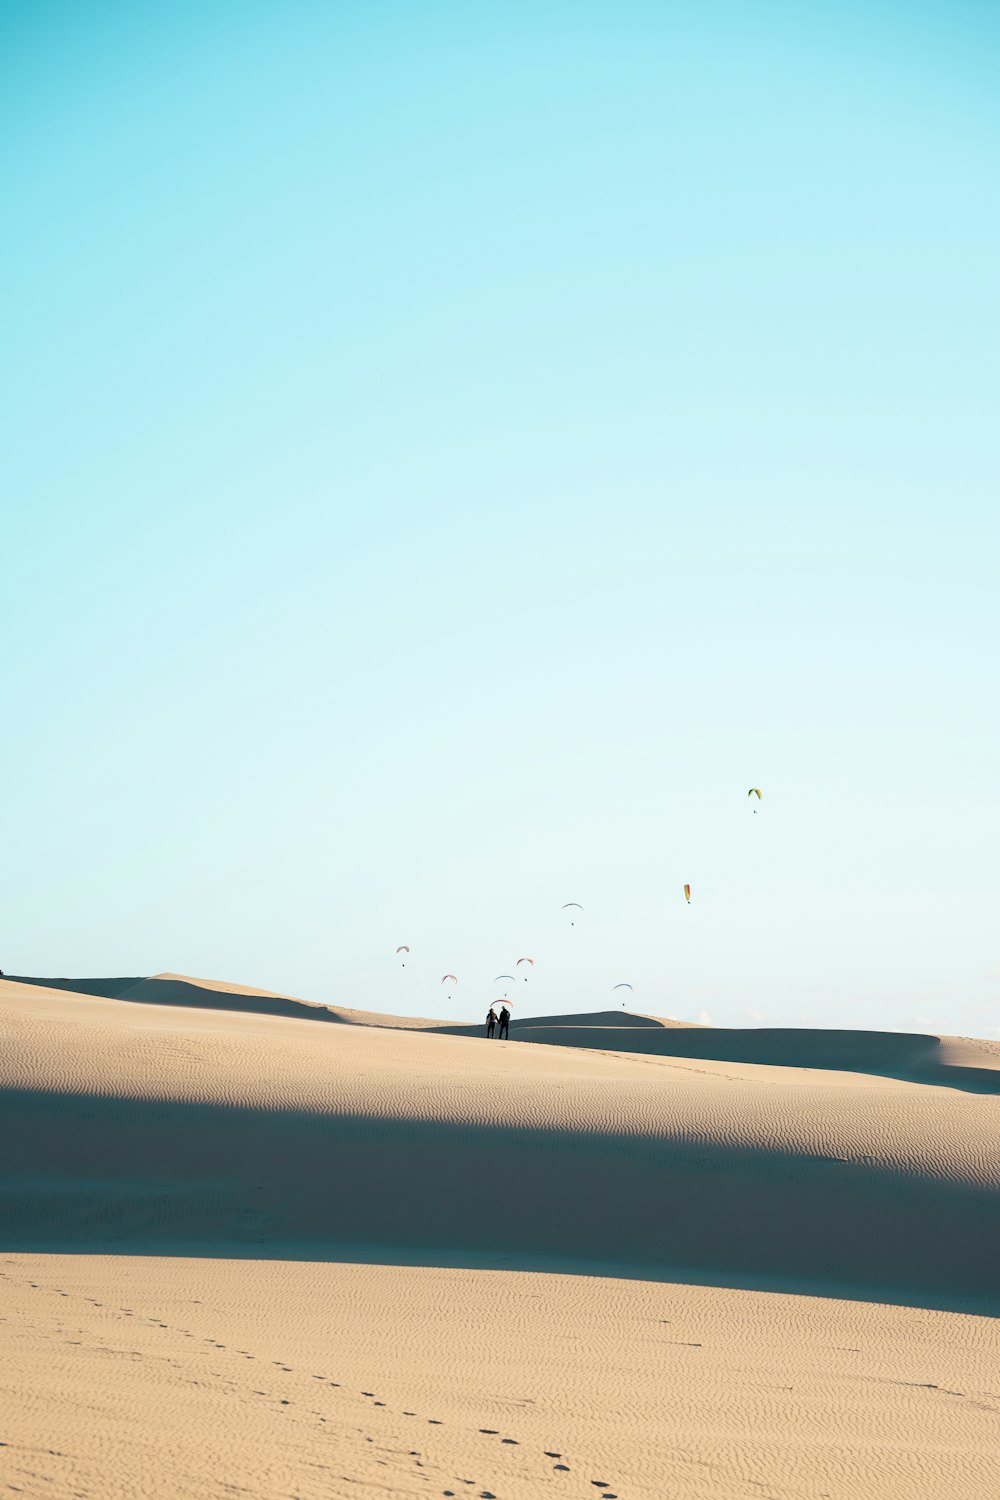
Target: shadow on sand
{"type": "Point", "coordinates": [135, 1176]}
{"type": "Point", "coordinates": [171, 990]}
{"type": "Point", "coordinates": [911, 1057]}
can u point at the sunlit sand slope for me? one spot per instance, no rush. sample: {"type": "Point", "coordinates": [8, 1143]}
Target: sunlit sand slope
{"type": "Point", "coordinates": [161, 1127]}
{"type": "Point", "coordinates": [202, 1379]}
{"type": "Point", "coordinates": [959, 1062]}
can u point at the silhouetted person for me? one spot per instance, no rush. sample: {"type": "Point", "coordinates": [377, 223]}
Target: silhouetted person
{"type": "Point", "coordinates": [491, 1021]}
{"type": "Point", "coordinates": [504, 1023]}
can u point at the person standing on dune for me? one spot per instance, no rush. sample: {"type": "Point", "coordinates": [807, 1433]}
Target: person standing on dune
{"type": "Point", "coordinates": [491, 1022]}
{"type": "Point", "coordinates": [504, 1025]}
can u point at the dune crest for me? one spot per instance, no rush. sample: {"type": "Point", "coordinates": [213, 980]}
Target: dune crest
{"type": "Point", "coordinates": [968, 1063]}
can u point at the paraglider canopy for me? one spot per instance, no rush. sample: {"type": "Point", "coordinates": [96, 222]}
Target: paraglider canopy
{"type": "Point", "coordinates": [623, 986]}
{"type": "Point", "coordinates": [755, 791]}
{"type": "Point", "coordinates": [452, 977]}
{"type": "Point", "coordinates": [403, 948]}
{"type": "Point", "coordinates": [521, 961]}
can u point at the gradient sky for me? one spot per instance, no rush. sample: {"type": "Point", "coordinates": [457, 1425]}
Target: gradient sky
{"type": "Point", "coordinates": [452, 452]}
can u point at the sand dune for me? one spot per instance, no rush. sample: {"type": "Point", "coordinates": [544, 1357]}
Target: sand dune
{"type": "Point", "coordinates": [189, 1128]}
{"type": "Point", "coordinates": [957, 1062]}
{"type": "Point", "coordinates": [255, 1253]}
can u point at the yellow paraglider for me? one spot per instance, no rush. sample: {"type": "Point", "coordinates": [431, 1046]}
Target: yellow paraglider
{"type": "Point", "coordinates": [687, 894]}
{"type": "Point", "coordinates": [755, 791]}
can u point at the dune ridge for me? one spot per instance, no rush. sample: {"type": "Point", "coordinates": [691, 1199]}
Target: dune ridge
{"type": "Point", "coordinates": [956, 1062]}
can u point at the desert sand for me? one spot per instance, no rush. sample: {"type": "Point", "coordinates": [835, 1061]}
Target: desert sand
{"type": "Point", "coordinates": [247, 1251]}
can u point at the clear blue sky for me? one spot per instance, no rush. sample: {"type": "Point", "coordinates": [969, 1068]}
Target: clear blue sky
{"type": "Point", "coordinates": [452, 452]}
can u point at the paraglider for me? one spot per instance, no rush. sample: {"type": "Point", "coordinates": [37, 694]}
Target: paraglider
{"type": "Point", "coordinates": [687, 894]}
{"type": "Point", "coordinates": [498, 977]}
{"type": "Point", "coordinates": [566, 907]}
{"type": "Point", "coordinates": [402, 949]}
{"type": "Point", "coordinates": [755, 791]}
{"type": "Point", "coordinates": [521, 961]}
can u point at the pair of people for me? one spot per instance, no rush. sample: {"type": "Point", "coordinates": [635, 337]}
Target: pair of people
{"type": "Point", "coordinates": [493, 1021]}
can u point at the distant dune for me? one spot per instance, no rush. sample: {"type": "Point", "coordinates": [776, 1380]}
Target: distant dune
{"type": "Point", "coordinates": [957, 1062]}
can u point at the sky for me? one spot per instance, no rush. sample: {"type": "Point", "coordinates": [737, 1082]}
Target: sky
{"type": "Point", "coordinates": [451, 453]}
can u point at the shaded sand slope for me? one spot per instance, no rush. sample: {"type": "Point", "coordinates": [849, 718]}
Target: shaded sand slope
{"type": "Point", "coordinates": [201, 1132]}
{"type": "Point", "coordinates": [957, 1062]}
{"type": "Point", "coordinates": [178, 989]}
{"type": "Point", "coordinates": [127, 1376]}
